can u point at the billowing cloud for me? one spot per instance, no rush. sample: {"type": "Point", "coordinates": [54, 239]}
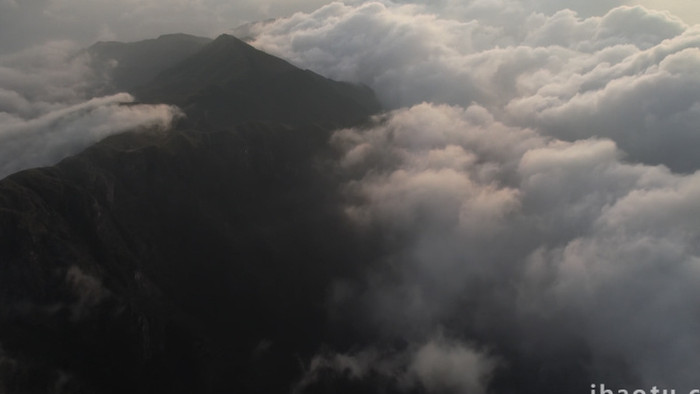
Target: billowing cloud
{"type": "Point", "coordinates": [629, 75]}
{"type": "Point", "coordinates": [536, 182]}
{"type": "Point", "coordinates": [551, 250]}
{"type": "Point", "coordinates": [467, 58]}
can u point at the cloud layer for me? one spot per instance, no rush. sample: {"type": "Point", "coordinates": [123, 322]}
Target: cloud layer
{"type": "Point", "coordinates": [529, 244]}
{"type": "Point", "coordinates": [536, 182]}
{"type": "Point", "coordinates": [629, 75]}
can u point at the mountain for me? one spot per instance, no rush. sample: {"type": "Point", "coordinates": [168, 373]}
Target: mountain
{"type": "Point", "coordinates": [128, 65]}
{"type": "Point", "coordinates": [226, 81]}
{"type": "Point", "coordinates": [229, 81]}
{"type": "Point", "coordinates": [193, 260]}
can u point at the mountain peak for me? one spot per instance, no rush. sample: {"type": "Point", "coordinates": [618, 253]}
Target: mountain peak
{"type": "Point", "coordinates": [227, 37]}
{"type": "Point", "coordinates": [227, 40]}
{"type": "Point", "coordinates": [228, 81]}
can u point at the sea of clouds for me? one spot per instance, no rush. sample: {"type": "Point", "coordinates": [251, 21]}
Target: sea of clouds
{"type": "Point", "coordinates": [537, 173]}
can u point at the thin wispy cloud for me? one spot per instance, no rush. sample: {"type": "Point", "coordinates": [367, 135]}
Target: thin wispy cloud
{"type": "Point", "coordinates": [48, 112]}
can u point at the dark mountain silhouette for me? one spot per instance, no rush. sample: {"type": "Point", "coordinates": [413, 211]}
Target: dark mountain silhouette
{"type": "Point", "coordinates": [128, 65]}
{"type": "Point", "coordinates": [193, 260]}
{"type": "Point", "coordinates": [229, 81]}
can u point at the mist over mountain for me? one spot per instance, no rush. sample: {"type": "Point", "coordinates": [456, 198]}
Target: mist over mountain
{"type": "Point", "coordinates": [55, 102]}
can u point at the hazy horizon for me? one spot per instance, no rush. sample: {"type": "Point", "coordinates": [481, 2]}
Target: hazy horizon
{"type": "Point", "coordinates": [25, 24]}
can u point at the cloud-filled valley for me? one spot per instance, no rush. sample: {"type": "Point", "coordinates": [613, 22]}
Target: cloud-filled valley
{"type": "Point", "coordinates": [533, 181]}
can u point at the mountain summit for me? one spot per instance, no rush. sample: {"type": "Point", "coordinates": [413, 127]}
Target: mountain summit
{"type": "Point", "coordinates": [229, 81]}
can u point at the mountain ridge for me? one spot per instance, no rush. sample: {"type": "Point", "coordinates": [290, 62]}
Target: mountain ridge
{"type": "Point", "coordinates": [228, 81]}
{"type": "Point", "coordinates": [140, 61]}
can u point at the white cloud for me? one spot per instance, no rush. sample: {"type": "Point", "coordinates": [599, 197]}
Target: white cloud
{"type": "Point", "coordinates": [46, 139]}
{"type": "Point", "coordinates": [629, 75]}
{"type": "Point", "coordinates": [551, 239]}
{"type": "Point", "coordinates": [520, 205]}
